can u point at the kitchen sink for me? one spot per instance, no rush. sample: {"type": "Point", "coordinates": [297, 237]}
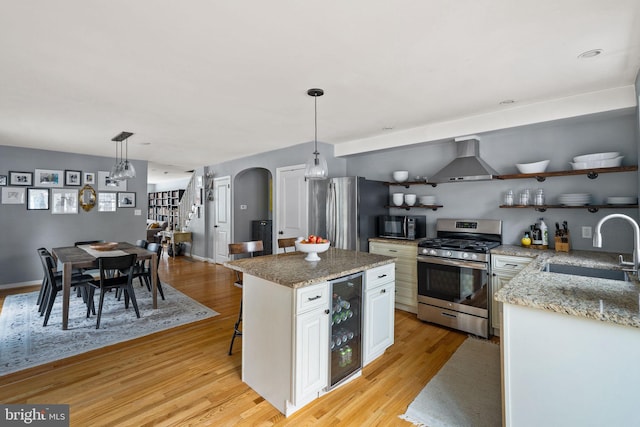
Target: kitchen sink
{"type": "Point", "coordinates": [576, 270]}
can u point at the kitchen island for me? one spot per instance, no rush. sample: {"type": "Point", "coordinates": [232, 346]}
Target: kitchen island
{"type": "Point", "coordinates": [571, 344]}
{"type": "Point", "coordinates": [287, 304]}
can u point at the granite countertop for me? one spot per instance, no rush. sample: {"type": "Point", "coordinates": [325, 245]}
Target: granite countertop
{"type": "Point", "coordinates": [292, 270]}
{"type": "Point", "coordinates": [396, 241]}
{"type": "Point", "coordinates": [606, 300]}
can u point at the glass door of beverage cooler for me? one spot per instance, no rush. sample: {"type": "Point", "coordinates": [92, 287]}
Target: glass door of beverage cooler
{"type": "Point", "coordinates": [346, 328]}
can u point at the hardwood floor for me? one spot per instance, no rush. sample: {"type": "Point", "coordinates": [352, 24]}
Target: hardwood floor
{"type": "Point", "coordinates": [184, 377]}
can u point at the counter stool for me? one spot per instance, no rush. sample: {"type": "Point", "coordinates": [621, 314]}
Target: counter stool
{"type": "Point", "coordinates": [239, 249]}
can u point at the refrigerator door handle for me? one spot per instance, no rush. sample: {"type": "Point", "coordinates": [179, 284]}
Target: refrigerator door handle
{"type": "Point", "coordinates": [331, 213]}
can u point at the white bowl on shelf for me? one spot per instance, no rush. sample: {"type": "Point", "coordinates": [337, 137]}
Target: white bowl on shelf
{"type": "Point", "coordinates": [535, 167]}
{"type": "Point", "coordinates": [400, 176]}
{"type": "Point", "coordinates": [595, 164]}
{"type": "Point", "coordinates": [410, 199]}
{"type": "Point", "coordinates": [312, 249]}
{"type": "Point", "coordinates": [397, 199]}
{"type": "Point", "coordinates": [596, 156]}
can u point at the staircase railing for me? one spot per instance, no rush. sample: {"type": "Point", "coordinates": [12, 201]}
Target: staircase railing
{"type": "Point", "coordinates": [187, 201]}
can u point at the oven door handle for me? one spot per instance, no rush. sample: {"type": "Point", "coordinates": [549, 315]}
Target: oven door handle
{"type": "Point", "coordinates": [454, 262]}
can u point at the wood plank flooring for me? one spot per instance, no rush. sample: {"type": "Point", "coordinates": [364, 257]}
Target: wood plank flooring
{"type": "Point", "coordinates": [184, 377]}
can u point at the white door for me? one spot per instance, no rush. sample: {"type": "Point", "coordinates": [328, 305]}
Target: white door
{"type": "Point", "coordinates": [292, 206]}
{"type": "Point", "coordinates": [222, 220]}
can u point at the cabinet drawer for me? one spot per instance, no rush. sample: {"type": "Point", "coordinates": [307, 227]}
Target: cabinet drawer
{"type": "Point", "coordinates": [311, 297]}
{"type": "Point", "coordinates": [508, 262]}
{"type": "Point", "coordinates": [379, 276]}
{"type": "Point", "coordinates": [395, 250]}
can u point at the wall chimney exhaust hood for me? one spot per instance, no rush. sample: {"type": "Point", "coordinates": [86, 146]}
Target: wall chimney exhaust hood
{"type": "Point", "coordinates": [467, 166]}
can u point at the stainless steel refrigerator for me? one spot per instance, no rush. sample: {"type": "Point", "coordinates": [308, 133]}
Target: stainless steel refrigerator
{"type": "Point", "coordinates": [345, 209]}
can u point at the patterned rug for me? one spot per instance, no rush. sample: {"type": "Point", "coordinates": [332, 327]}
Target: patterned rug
{"type": "Point", "coordinates": [25, 343]}
{"type": "Point", "coordinates": [465, 392]}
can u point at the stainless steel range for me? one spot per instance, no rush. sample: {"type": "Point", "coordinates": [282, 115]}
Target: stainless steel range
{"type": "Point", "coordinates": [453, 274]}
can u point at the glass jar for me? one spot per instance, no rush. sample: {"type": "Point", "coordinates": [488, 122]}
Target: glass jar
{"type": "Point", "coordinates": [524, 197]}
{"type": "Point", "coordinates": [539, 197]}
{"type": "Point", "coordinates": [508, 198]}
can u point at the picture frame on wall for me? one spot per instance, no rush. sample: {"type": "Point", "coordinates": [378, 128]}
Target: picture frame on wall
{"type": "Point", "coordinates": [38, 199]}
{"type": "Point", "coordinates": [89, 178]}
{"type": "Point", "coordinates": [64, 201]}
{"type": "Point", "coordinates": [20, 178]}
{"type": "Point", "coordinates": [107, 184]}
{"type": "Point", "coordinates": [3, 179]}
{"type": "Point", "coordinates": [72, 178]}
{"type": "Point", "coordinates": [126, 200]}
{"type": "Point", "coordinates": [49, 178]}
{"type": "Point", "coordinates": [106, 202]}
{"type": "Point", "coordinates": [13, 195]}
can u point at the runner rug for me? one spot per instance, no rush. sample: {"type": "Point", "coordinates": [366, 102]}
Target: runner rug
{"type": "Point", "coordinates": [25, 343]}
{"type": "Point", "coordinates": [465, 392]}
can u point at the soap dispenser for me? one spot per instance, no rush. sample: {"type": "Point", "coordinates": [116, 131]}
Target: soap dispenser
{"type": "Point", "coordinates": [545, 233]}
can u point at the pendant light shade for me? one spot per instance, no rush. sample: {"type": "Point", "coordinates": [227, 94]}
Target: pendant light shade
{"type": "Point", "coordinates": [123, 168]}
{"type": "Point", "coordinates": [316, 166]}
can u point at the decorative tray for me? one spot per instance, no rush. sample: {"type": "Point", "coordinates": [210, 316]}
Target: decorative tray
{"type": "Point", "coordinates": [108, 246]}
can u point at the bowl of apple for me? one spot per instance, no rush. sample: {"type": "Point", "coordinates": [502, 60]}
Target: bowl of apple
{"type": "Point", "coordinates": [312, 246]}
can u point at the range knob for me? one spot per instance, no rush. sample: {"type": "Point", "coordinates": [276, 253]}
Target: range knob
{"type": "Point", "coordinates": [449, 253]}
{"type": "Point", "coordinates": [465, 255]}
{"type": "Point", "coordinates": [474, 256]}
{"type": "Point", "coordinates": [433, 252]}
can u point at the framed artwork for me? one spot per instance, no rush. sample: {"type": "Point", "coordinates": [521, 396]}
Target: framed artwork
{"type": "Point", "coordinates": [64, 201]}
{"type": "Point", "coordinates": [107, 184]}
{"type": "Point", "coordinates": [106, 202]}
{"type": "Point", "coordinates": [126, 200]}
{"type": "Point", "coordinates": [38, 199]}
{"type": "Point", "coordinates": [48, 178]}
{"type": "Point", "coordinates": [89, 178]}
{"type": "Point", "coordinates": [72, 178]}
{"type": "Point", "coordinates": [20, 178]}
{"type": "Point", "coordinates": [13, 195]}
{"type": "Point", "coordinates": [3, 179]}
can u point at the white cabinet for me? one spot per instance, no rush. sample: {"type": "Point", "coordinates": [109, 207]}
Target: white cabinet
{"type": "Point", "coordinates": [503, 269]}
{"type": "Point", "coordinates": [406, 293]}
{"type": "Point", "coordinates": [285, 341]}
{"type": "Point", "coordinates": [312, 348]}
{"type": "Point", "coordinates": [378, 311]}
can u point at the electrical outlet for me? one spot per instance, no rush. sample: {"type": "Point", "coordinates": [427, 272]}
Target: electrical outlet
{"type": "Point", "coordinates": [137, 212]}
{"type": "Point", "coordinates": [586, 232]}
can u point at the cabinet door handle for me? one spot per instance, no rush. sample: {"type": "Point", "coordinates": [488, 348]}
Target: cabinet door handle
{"type": "Point", "coordinates": [511, 265]}
{"type": "Point", "coordinates": [314, 298]}
{"type": "Point", "coordinates": [384, 291]}
{"type": "Point", "coordinates": [393, 250]}
{"type": "Point", "coordinates": [448, 315]}
{"type": "Point", "coordinates": [381, 276]}
{"type": "Point", "coordinates": [327, 311]}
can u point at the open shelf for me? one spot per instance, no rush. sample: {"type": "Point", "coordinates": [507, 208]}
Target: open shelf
{"type": "Point", "coordinates": [407, 207]}
{"type": "Point", "coordinates": [591, 173]}
{"type": "Point", "coordinates": [590, 208]}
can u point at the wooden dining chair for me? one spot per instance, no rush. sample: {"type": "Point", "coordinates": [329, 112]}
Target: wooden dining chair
{"type": "Point", "coordinates": [237, 250]}
{"type": "Point", "coordinates": [124, 265]}
{"type": "Point", "coordinates": [287, 243]}
{"type": "Point", "coordinates": [52, 284]}
{"type": "Point", "coordinates": [143, 269]}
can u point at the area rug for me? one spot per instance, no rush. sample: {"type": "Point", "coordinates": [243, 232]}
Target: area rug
{"type": "Point", "coordinates": [465, 392]}
{"type": "Point", "coordinates": [25, 343]}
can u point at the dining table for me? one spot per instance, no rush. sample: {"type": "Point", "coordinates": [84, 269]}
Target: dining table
{"type": "Point", "coordinates": [85, 257]}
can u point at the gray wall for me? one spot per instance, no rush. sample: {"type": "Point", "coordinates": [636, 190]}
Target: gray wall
{"type": "Point", "coordinates": [24, 231]}
{"type": "Point", "coordinates": [558, 141]}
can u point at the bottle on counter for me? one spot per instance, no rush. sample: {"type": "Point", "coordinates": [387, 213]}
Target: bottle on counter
{"type": "Point", "coordinates": [544, 232]}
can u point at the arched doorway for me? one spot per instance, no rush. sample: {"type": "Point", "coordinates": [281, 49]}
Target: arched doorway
{"type": "Point", "coordinates": [252, 201]}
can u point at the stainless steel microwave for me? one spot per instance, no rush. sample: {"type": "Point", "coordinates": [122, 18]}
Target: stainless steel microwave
{"type": "Point", "coordinates": [402, 226]}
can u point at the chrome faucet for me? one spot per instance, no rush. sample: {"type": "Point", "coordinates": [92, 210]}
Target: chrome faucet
{"type": "Point", "coordinates": [597, 239]}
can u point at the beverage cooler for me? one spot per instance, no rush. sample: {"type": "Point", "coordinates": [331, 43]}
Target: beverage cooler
{"type": "Point", "coordinates": [346, 328]}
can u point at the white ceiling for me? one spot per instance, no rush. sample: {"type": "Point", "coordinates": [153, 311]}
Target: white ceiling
{"type": "Point", "coordinates": [204, 81]}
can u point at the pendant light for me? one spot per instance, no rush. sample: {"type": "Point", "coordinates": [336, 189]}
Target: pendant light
{"type": "Point", "coordinates": [316, 167]}
{"type": "Point", "coordinates": [123, 168]}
